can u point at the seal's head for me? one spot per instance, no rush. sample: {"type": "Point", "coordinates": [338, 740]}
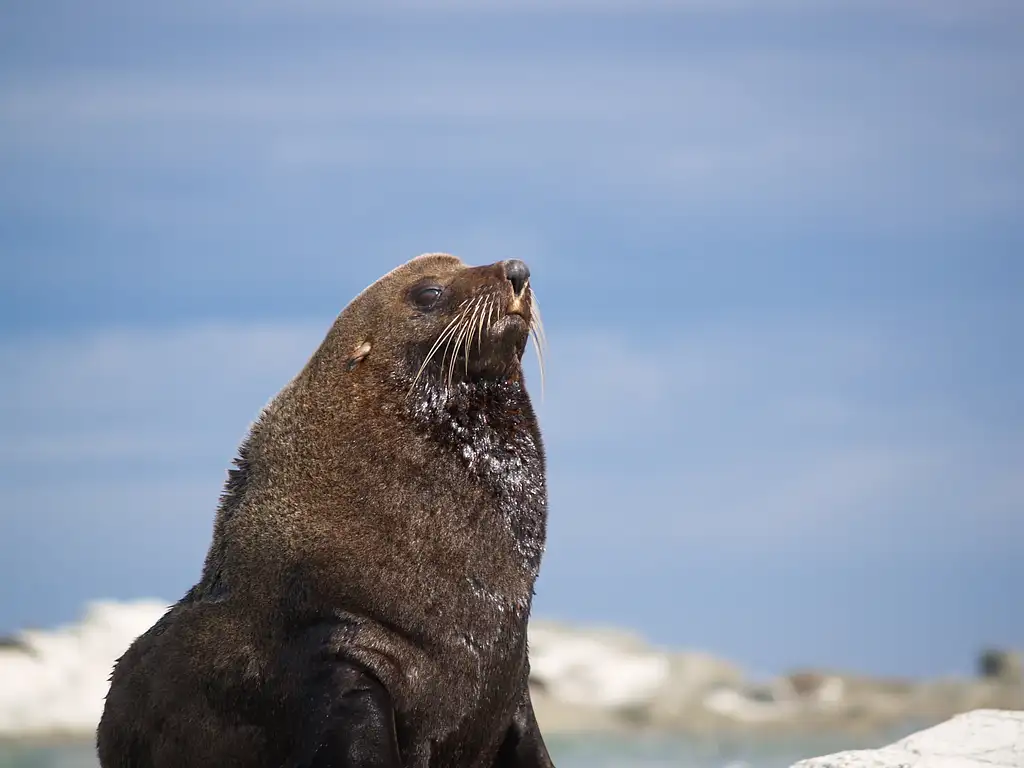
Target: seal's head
{"type": "Point", "coordinates": [435, 321]}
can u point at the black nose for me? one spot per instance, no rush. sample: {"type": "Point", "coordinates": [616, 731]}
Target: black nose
{"type": "Point", "coordinates": [517, 273]}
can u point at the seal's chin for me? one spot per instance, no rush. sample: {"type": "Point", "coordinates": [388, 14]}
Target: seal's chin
{"type": "Point", "coordinates": [512, 324]}
{"type": "Point", "coordinates": [501, 348]}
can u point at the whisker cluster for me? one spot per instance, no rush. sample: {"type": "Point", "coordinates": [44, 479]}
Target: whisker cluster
{"type": "Point", "coordinates": [471, 320]}
{"type": "Point", "coordinates": [473, 317]}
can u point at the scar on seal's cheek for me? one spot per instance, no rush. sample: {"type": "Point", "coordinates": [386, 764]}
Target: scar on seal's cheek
{"type": "Point", "coordinates": [358, 355]}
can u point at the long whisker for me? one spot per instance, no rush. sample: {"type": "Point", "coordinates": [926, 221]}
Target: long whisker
{"type": "Point", "coordinates": [440, 340]}
{"type": "Point", "coordinates": [471, 327]}
{"type": "Point", "coordinates": [448, 330]}
{"type": "Point", "coordinates": [536, 322]}
{"type": "Point", "coordinates": [463, 328]}
{"type": "Point", "coordinates": [454, 336]}
{"type": "Point", "coordinates": [539, 338]}
{"type": "Point", "coordinates": [540, 365]}
{"type": "Point", "coordinates": [479, 326]}
{"type": "Point", "coordinates": [446, 337]}
{"type": "Point", "coordinates": [489, 322]}
{"type": "Point", "coordinates": [490, 311]}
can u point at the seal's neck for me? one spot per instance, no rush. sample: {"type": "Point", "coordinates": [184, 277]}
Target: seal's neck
{"type": "Point", "coordinates": [490, 426]}
{"type": "Point", "coordinates": [471, 415]}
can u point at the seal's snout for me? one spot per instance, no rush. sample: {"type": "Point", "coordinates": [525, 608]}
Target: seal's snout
{"type": "Point", "coordinates": [517, 273]}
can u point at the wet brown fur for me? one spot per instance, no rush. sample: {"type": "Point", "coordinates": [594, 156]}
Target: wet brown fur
{"type": "Point", "coordinates": [392, 526]}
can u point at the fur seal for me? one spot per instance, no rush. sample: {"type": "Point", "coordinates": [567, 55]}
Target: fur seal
{"type": "Point", "coordinates": [364, 601]}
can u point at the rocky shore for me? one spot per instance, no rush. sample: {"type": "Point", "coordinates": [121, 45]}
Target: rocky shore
{"type": "Point", "coordinates": [586, 679]}
{"type": "Point", "coordinates": [979, 739]}
{"type": "Point", "coordinates": [52, 685]}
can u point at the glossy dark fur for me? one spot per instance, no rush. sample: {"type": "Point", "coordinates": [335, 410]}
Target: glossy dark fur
{"type": "Point", "coordinates": [365, 598]}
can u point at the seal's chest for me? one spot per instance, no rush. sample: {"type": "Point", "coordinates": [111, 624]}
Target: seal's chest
{"type": "Point", "coordinates": [509, 466]}
{"type": "Point", "coordinates": [490, 436]}
{"type": "Point", "coordinates": [507, 461]}
{"type": "Point", "coordinates": [496, 442]}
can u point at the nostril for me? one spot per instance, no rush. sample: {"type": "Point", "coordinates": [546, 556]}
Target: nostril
{"type": "Point", "coordinates": [517, 273]}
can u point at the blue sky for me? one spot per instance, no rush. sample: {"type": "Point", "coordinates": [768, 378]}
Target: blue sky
{"type": "Point", "coordinates": [777, 243]}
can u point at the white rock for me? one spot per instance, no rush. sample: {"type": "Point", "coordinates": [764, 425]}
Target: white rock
{"type": "Point", "coordinates": [735, 705]}
{"type": "Point", "coordinates": [56, 683]}
{"type": "Point", "coordinates": [984, 738]}
{"type": "Point", "coordinates": [602, 670]}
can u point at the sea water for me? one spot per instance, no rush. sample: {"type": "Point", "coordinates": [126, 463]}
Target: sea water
{"type": "Point", "coordinates": [569, 752]}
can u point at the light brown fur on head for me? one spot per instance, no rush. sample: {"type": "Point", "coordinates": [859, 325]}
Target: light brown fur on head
{"type": "Point", "coordinates": [367, 316]}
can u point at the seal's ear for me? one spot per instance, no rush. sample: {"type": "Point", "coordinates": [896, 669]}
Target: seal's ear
{"type": "Point", "coordinates": [357, 356]}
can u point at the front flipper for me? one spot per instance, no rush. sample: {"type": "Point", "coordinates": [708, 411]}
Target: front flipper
{"type": "Point", "coordinates": [523, 746]}
{"type": "Point", "coordinates": [341, 716]}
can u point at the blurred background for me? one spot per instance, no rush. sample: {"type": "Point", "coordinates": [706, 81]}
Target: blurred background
{"type": "Point", "coordinates": [777, 244]}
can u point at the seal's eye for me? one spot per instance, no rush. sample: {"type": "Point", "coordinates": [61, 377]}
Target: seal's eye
{"type": "Point", "coordinates": [426, 296]}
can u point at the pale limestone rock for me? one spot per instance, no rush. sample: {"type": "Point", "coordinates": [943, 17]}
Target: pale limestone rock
{"type": "Point", "coordinates": [597, 669]}
{"type": "Point", "coordinates": [691, 676]}
{"type": "Point", "coordinates": [54, 681]}
{"type": "Point", "coordinates": [984, 738]}
{"type": "Point", "coordinates": [594, 669]}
